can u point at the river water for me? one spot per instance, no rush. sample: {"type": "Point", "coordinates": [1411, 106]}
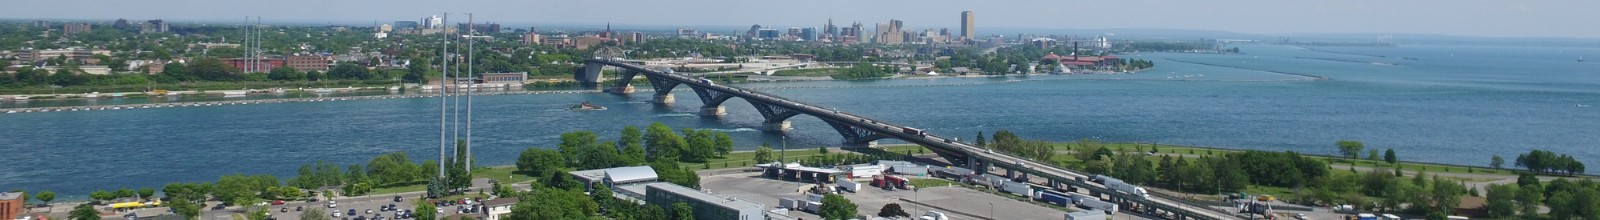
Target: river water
{"type": "Point", "coordinates": [1456, 104]}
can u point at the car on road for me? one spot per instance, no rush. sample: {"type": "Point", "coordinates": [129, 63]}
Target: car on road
{"type": "Point", "coordinates": [218, 207]}
{"type": "Point", "coordinates": [278, 202]}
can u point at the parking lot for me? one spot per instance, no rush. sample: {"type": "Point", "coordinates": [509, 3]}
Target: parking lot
{"type": "Point", "coordinates": [956, 202]}
{"type": "Point", "coordinates": [289, 211]}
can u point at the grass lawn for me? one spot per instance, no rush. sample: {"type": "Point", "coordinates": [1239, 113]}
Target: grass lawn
{"type": "Point", "coordinates": [931, 182]}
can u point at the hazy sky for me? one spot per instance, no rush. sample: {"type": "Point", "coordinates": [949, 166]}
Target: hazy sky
{"type": "Point", "coordinates": [1497, 18]}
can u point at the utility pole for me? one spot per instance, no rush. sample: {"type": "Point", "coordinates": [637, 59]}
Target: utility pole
{"type": "Point", "coordinates": [471, 29]}
{"type": "Point", "coordinates": [444, 64]}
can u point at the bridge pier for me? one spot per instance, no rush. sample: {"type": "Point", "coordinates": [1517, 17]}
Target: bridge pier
{"type": "Point", "coordinates": [776, 126]}
{"type": "Point", "coordinates": [713, 111]}
{"type": "Point", "coordinates": [665, 99]}
{"type": "Point", "coordinates": [623, 90]}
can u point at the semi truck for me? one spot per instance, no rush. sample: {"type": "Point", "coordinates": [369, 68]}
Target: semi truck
{"type": "Point", "coordinates": [889, 182]}
{"type": "Point", "coordinates": [909, 170]}
{"type": "Point", "coordinates": [849, 186]}
{"type": "Point", "coordinates": [1123, 187]}
{"type": "Point", "coordinates": [913, 131]}
{"type": "Point", "coordinates": [1108, 207]}
{"type": "Point", "coordinates": [863, 170]}
{"type": "Point", "coordinates": [1052, 197]}
{"type": "Point", "coordinates": [1016, 188]}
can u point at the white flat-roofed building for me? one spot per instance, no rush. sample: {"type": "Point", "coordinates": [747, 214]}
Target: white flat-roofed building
{"type": "Point", "coordinates": [706, 206]}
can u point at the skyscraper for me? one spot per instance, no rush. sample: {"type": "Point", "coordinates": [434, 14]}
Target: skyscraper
{"type": "Point", "coordinates": [967, 32]}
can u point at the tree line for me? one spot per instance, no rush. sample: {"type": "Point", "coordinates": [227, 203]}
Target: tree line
{"type": "Point", "coordinates": [1564, 198]}
{"type": "Point", "coordinates": [1549, 162]}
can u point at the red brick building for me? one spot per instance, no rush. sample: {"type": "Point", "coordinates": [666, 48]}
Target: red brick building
{"type": "Point", "coordinates": [11, 204]}
{"type": "Point", "coordinates": [309, 62]}
{"type": "Point", "coordinates": [262, 65]}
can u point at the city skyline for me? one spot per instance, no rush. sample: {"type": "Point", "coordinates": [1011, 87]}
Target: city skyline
{"type": "Point", "coordinates": [1470, 18]}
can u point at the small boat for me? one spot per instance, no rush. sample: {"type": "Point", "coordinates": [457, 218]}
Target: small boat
{"type": "Point", "coordinates": [233, 94]}
{"type": "Point", "coordinates": [587, 106]}
{"type": "Point", "coordinates": [20, 97]}
{"type": "Point", "coordinates": [324, 91]}
{"type": "Point", "coordinates": [92, 95]}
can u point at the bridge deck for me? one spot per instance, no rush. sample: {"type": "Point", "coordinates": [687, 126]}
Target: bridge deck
{"type": "Point", "coordinates": [933, 142]}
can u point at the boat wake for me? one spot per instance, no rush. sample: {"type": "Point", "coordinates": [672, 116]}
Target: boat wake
{"type": "Point", "coordinates": [675, 115]}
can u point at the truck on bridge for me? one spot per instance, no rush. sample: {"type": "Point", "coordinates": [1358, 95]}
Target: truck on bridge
{"type": "Point", "coordinates": [914, 131]}
{"type": "Point", "coordinates": [1122, 187]}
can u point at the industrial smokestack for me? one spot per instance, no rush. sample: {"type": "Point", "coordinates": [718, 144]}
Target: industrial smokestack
{"type": "Point", "coordinates": [1074, 50]}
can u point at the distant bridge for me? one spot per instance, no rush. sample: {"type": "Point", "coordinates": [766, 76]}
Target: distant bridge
{"type": "Point", "coordinates": [858, 130]}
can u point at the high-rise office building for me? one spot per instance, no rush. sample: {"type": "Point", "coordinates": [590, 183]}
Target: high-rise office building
{"type": "Point", "coordinates": [808, 34]}
{"type": "Point", "coordinates": [967, 32]}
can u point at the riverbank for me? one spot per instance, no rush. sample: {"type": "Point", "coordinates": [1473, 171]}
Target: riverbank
{"type": "Point", "coordinates": [258, 101]}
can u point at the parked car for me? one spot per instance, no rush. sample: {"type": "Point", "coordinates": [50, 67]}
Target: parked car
{"type": "Point", "coordinates": [284, 209]}
{"type": "Point", "coordinates": [369, 211]}
{"type": "Point", "coordinates": [335, 214]}
{"type": "Point", "coordinates": [299, 208]}
{"type": "Point", "coordinates": [352, 212]}
{"type": "Point", "coordinates": [333, 204]}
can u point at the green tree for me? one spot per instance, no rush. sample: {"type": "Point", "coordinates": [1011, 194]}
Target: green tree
{"type": "Point", "coordinates": [661, 143]}
{"type": "Point", "coordinates": [1350, 148]}
{"type": "Point", "coordinates": [425, 210]}
{"type": "Point", "coordinates": [349, 71]}
{"type": "Point", "coordinates": [145, 193]}
{"type": "Point", "coordinates": [125, 193]}
{"type": "Point", "coordinates": [682, 211]}
{"type": "Point", "coordinates": [1502, 200]}
{"type": "Point", "coordinates": [540, 162]}
{"type": "Point", "coordinates": [394, 168]}
{"type": "Point", "coordinates": [320, 214]}
{"type": "Point", "coordinates": [554, 204]}
{"type": "Point", "coordinates": [1446, 195]}
{"type": "Point", "coordinates": [764, 154]}
{"type": "Point", "coordinates": [45, 196]}
{"type": "Point", "coordinates": [1388, 156]}
{"type": "Point", "coordinates": [84, 212]}
{"type": "Point", "coordinates": [980, 142]}
{"type": "Point", "coordinates": [724, 143]}
{"type": "Point", "coordinates": [632, 141]}
{"type": "Point", "coordinates": [212, 69]}
{"type": "Point", "coordinates": [186, 208]}
{"type": "Point", "coordinates": [1496, 162]}
{"type": "Point", "coordinates": [892, 210]}
{"type": "Point", "coordinates": [573, 145]}
{"type": "Point", "coordinates": [835, 206]}
{"type": "Point", "coordinates": [285, 74]}
{"type": "Point", "coordinates": [652, 212]}
{"type": "Point", "coordinates": [416, 71]}
{"type": "Point", "coordinates": [599, 156]}
{"type": "Point", "coordinates": [1372, 155]}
